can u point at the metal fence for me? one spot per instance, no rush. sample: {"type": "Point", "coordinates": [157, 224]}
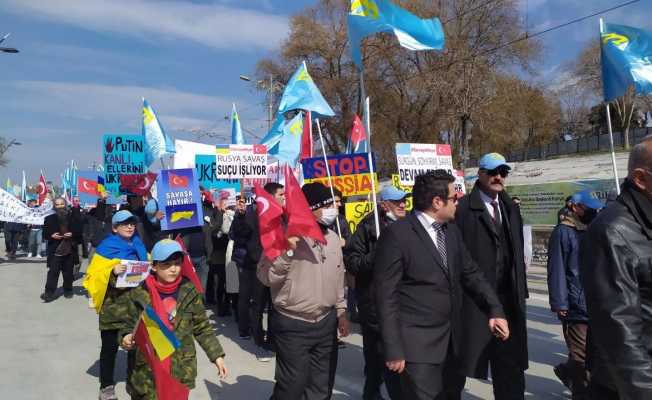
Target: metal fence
{"type": "Point", "coordinates": [586, 144]}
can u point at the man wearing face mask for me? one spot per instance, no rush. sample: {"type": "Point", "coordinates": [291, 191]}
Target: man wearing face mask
{"type": "Point", "coordinates": [62, 230]}
{"type": "Point", "coordinates": [565, 289]}
{"type": "Point", "coordinates": [307, 286]}
{"type": "Point", "coordinates": [616, 273]}
{"type": "Point", "coordinates": [492, 229]}
{"type": "Point", "coordinates": [359, 256]}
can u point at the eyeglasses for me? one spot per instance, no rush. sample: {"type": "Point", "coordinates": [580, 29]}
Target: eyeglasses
{"type": "Point", "coordinates": [503, 172]}
{"type": "Point", "coordinates": [128, 224]}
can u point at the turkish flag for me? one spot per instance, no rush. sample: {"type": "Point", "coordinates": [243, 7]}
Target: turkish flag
{"type": "Point", "coordinates": [138, 184]}
{"type": "Point", "coordinates": [177, 181]}
{"type": "Point", "coordinates": [87, 186]}
{"type": "Point", "coordinates": [306, 138]}
{"type": "Point", "coordinates": [301, 222]}
{"type": "Point", "coordinates": [358, 133]}
{"type": "Point", "coordinates": [187, 268]}
{"type": "Point", "coordinates": [167, 387]}
{"type": "Point", "coordinates": [271, 232]}
{"type": "Point", "coordinates": [42, 190]}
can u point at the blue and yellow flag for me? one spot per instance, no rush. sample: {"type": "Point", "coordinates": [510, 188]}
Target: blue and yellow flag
{"type": "Point", "coordinates": [163, 339]}
{"type": "Point", "coordinates": [274, 135]}
{"type": "Point", "coordinates": [626, 60]}
{"type": "Point", "coordinates": [301, 93]}
{"type": "Point", "coordinates": [288, 149]}
{"type": "Point", "coordinates": [368, 17]}
{"type": "Point", "coordinates": [157, 143]}
{"type": "Point", "coordinates": [237, 137]}
{"type": "Point", "coordinates": [97, 278]}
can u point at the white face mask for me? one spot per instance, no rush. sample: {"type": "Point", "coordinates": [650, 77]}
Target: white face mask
{"type": "Point", "coordinates": [328, 216]}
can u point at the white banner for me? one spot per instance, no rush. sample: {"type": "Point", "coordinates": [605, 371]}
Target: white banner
{"type": "Point", "coordinates": [418, 158]}
{"type": "Point", "coordinates": [186, 152]}
{"type": "Point", "coordinates": [237, 161]}
{"type": "Point", "coordinates": [14, 210]}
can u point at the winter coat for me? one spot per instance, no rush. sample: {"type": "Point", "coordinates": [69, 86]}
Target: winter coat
{"type": "Point", "coordinates": [616, 272]}
{"type": "Point", "coordinates": [564, 286]}
{"type": "Point", "coordinates": [191, 323]}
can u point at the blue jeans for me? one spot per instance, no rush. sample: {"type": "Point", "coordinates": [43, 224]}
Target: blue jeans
{"type": "Point", "coordinates": [34, 243]}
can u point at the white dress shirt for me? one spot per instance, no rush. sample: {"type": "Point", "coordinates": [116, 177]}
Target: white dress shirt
{"type": "Point", "coordinates": [427, 221]}
{"type": "Point", "coordinates": [487, 203]}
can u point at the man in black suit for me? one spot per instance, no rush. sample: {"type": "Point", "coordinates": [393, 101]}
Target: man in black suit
{"type": "Point", "coordinates": [492, 230]}
{"type": "Point", "coordinates": [421, 269]}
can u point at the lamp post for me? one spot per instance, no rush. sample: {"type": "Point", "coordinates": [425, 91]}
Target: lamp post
{"type": "Point", "coordinates": [270, 86]}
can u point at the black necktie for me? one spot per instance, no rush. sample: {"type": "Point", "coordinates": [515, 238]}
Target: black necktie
{"type": "Point", "coordinates": [496, 218]}
{"type": "Point", "coordinates": [441, 241]}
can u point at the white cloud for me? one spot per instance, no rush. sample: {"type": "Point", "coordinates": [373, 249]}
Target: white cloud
{"type": "Point", "coordinates": [217, 26]}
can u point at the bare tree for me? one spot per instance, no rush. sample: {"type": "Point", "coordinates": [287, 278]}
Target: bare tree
{"type": "Point", "coordinates": [5, 145]}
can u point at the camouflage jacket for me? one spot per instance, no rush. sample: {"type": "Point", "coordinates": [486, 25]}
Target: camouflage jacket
{"type": "Point", "coordinates": [115, 306]}
{"type": "Point", "coordinates": [190, 323]}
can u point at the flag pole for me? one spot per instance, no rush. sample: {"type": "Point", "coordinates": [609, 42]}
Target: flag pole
{"type": "Point", "coordinates": [611, 135]}
{"type": "Point", "coordinates": [371, 167]}
{"type": "Point", "coordinates": [328, 172]}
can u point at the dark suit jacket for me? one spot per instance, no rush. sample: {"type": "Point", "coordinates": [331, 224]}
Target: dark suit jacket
{"type": "Point", "coordinates": [418, 300]}
{"type": "Point", "coordinates": [481, 239]}
{"type": "Point", "coordinates": [51, 226]}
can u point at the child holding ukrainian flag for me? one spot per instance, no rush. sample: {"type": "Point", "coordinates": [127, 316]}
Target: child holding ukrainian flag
{"type": "Point", "coordinates": [109, 301]}
{"type": "Point", "coordinates": [163, 319]}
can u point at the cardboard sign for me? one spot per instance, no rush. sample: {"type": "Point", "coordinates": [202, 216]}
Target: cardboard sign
{"type": "Point", "coordinates": [14, 210]}
{"type": "Point", "coordinates": [134, 275]}
{"type": "Point", "coordinates": [349, 185]}
{"type": "Point", "coordinates": [184, 157]}
{"type": "Point", "coordinates": [339, 165]}
{"type": "Point", "coordinates": [123, 155]}
{"type": "Point", "coordinates": [355, 212]}
{"type": "Point", "coordinates": [237, 161]}
{"type": "Point", "coordinates": [419, 158]}
{"type": "Point", "coordinates": [179, 199]}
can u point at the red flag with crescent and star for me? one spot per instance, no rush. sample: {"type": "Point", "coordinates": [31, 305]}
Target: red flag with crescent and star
{"type": "Point", "coordinates": [87, 186]}
{"type": "Point", "coordinates": [187, 268]}
{"type": "Point", "coordinates": [42, 189]}
{"type": "Point", "coordinates": [138, 184]}
{"type": "Point", "coordinates": [272, 237]}
{"type": "Point", "coordinates": [177, 181]}
{"type": "Point", "coordinates": [301, 221]}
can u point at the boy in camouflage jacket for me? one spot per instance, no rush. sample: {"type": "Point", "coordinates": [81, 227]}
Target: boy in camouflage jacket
{"type": "Point", "coordinates": [186, 315]}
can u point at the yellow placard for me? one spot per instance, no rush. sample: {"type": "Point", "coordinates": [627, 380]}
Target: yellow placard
{"type": "Point", "coordinates": [396, 182]}
{"type": "Point", "coordinates": [355, 212]}
{"type": "Point", "coordinates": [349, 185]}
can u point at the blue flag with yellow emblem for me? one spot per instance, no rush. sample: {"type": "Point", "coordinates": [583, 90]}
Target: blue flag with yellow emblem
{"type": "Point", "coordinates": [272, 137]}
{"type": "Point", "coordinates": [237, 137]}
{"type": "Point", "coordinates": [157, 143]}
{"type": "Point", "coordinates": [301, 93]}
{"type": "Point", "coordinates": [626, 60]}
{"type": "Point", "coordinates": [288, 149]}
{"type": "Point", "coordinates": [368, 17]}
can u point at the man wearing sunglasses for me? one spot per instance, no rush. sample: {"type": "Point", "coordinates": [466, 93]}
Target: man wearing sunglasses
{"type": "Point", "coordinates": [492, 229]}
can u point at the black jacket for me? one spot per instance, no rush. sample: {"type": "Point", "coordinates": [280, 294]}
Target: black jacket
{"type": "Point", "coordinates": [246, 238]}
{"type": "Point", "coordinates": [616, 270]}
{"type": "Point", "coordinates": [359, 256]}
{"type": "Point", "coordinates": [51, 226]}
{"type": "Point", "coordinates": [418, 299]}
{"type": "Point", "coordinates": [481, 239]}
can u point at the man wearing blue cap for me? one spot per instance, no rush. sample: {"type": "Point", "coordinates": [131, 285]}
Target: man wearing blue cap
{"type": "Point", "coordinates": [565, 289]}
{"type": "Point", "coordinates": [492, 229]}
{"type": "Point", "coordinates": [359, 256]}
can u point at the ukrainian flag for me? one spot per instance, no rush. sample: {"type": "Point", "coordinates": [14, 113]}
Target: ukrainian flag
{"type": "Point", "coordinates": [163, 340]}
{"type": "Point", "coordinates": [97, 278]}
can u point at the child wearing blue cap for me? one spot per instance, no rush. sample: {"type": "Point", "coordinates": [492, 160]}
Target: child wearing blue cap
{"type": "Point", "coordinates": [179, 305]}
{"type": "Point", "coordinates": [123, 244]}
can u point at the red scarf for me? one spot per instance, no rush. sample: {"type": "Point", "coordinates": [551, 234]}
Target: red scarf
{"type": "Point", "coordinates": [155, 288]}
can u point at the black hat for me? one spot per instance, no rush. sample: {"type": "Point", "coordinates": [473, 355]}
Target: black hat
{"type": "Point", "coordinates": [317, 195]}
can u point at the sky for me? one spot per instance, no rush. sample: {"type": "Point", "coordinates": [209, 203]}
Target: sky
{"type": "Point", "coordinates": [84, 66]}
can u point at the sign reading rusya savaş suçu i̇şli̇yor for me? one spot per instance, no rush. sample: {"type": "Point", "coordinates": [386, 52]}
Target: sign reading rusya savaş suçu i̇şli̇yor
{"type": "Point", "coordinates": [206, 172]}
{"type": "Point", "coordinates": [349, 172]}
{"type": "Point", "coordinates": [179, 199]}
{"type": "Point", "coordinates": [123, 155]}
{"type": "Point", "coordinates": [238, 161]}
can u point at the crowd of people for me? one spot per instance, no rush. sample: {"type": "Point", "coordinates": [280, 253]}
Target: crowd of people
{"type": "Point", "coordinates": [439, 292]}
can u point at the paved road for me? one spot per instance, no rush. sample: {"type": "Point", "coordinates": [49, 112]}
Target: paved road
{"type": "Point", "coordinates": [50, 351]}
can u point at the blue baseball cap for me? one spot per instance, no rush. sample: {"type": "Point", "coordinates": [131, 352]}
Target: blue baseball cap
{"type": "Point", "coordinates": [163, 249]}
{"type": "Point", "coordinates": [393, 194]}
{"type": "Point", "coordinates": [122, 216]}
{"type": "Point", "coordinates": [588, 199]}
{"type": "Point", "coordinates": [492, 161]}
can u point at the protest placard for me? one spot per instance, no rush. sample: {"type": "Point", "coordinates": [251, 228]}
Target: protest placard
{"type": "Point", "coordinates": [349, 173]}
{"type": "Point", "coordinates": [418, 158]}
{"type": "Point", "coordinates": [355, 212]}
{"type": "Point", "coordinates": [123, 155]}
{"type": "Point", "coordinates": [179, 199]}
{"type": "Point", "coordinates": [185, 152]}
{"type": "Point", "coordinates": [14, 210]}
{"type": "Point", "coordinates": [206, 168]}
{"type": "Point", "coordinates": [237, 161]}
{"type": "Point", "coordinates": [136, 272]}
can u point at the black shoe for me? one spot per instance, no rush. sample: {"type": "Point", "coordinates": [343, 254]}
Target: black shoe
{"type": "Point", "coordinates": [47, 297]}
{"type": "Point", "coordinates": [245, 336]}
{"type": "Point", "coordinates": [562, 375]}
{"type": "Point", "coordinates": [68, 295]}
